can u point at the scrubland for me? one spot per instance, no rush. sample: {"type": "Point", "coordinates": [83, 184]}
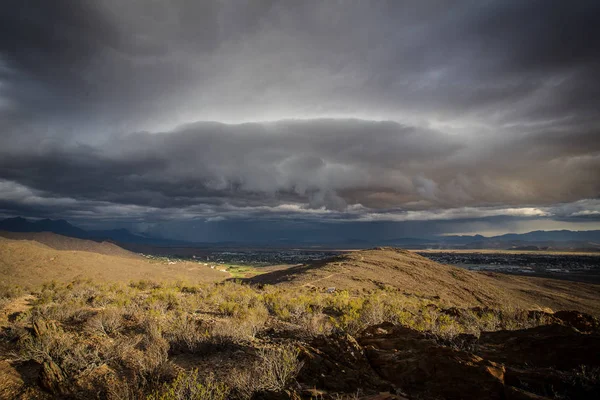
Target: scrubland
{"type": "Point", "coordinates": [165, 341]}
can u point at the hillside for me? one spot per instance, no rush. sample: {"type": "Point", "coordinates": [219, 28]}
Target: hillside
{"type": "Point", "coordinates": [406, 329]}
{"type": "Point", "coordinates": [414, 274]}
{"type": "Point", "coordinates": [31, 263]}
{"type": "Point", "coordinates": [60, 242]}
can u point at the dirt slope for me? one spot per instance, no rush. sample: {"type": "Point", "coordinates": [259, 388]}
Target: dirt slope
{"type": "Point", "coordinates": [30, 263]}
{"type": "Point", "coordinates": [59, 242]}
{"type": "Point", "coordinates": [413, 274]}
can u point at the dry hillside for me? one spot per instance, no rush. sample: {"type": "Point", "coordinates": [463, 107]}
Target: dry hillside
{"type": "Point", "coordinates": [59, 242]}
{"type": "Point", "coordinates": [403, 340]}
{"type": "Point", "coordinates": [30, 263]}
{"type": "Point", "coordinates": [414, 274]}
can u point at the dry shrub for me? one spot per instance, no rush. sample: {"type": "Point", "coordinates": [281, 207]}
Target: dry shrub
{"type": "Point", "coordinates": [373, 312]}
{"type": "Point", "coordinates": [145, 284]}
{"type": "Point", "coordinates": [243, 383]}
{"type": "Point", "coordinates": [278, 367]}
{"type": "Point", "coordinates": [244, 326]}
{"type": "Point", "coordinates": [230, 298]}
{"type": "Point", "coordinates": [188, 386]}
{"type": "Point", "coordinates": [64, 313]}
{"type": "Point", "coordinates": [293, 306]}
{"type": "Point", "coordinates": [232, 330]}
{"type": "Point", "coordinates": [184, 332]}
{"type": "Point", "coordinates": [9, 292]}
{"type": "Point", "coordinates": [4, 302]}
{"type": "Point", "coordinates": [65, 349]}
{"type": "Point", "coordinates": [106, 322]}
{"type": "Point", "coordinates": [275, 369]}
{"type": "Point", "coordinates": [316, 324]}
{"type": "Point", "coordinates": [145, 357]}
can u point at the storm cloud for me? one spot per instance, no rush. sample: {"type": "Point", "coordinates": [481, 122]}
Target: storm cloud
{"type": "Point", "coordinates": [340, 110]}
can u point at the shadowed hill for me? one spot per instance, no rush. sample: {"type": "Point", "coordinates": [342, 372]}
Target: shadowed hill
{"type": "Point", "coordinates": [30, 263]}
{"type": "Point", "coordinates": [414, 274]}
{"type": "Point", "coordinates": [60, 242]}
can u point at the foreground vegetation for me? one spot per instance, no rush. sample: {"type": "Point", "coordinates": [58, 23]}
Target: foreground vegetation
{"type": "Point", "coordinates": [214, 341]}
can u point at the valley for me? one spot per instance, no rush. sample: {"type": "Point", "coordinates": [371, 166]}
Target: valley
{"type": "Point", "coordinates": [81, 319]}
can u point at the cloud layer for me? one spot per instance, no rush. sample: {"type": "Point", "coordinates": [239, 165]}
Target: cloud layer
{"type": "Point", "coordinates": [355, 110]}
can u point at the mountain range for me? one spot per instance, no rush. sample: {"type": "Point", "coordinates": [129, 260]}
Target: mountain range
{"type": "Point", "coordinates": [62, 227]}
{"type": "Point", "coordinates": [536, 240]}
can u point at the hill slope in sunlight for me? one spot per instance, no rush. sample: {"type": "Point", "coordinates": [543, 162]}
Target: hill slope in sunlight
{"type": "Point", "coordinates": [60, 242]}
{"type": "Point", "coordinates": [414, 274]}
{"type": "Point", "coordinates": [31, 263]}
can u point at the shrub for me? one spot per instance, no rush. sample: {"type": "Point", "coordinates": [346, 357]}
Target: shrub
{"type": "Point", "coordinates": [145, 284]}
{"type": "Point", "coordinates": [145, 356]}
{"type": "Point", "coordinates": [188, 386]}
{"type": "Point", "coordinates": [275, 370]}
{"type": "Point", "coordinates": [316, 324]}
{"type": "Point", "coordinates": [278, 367]}
{"type": "Point", "coordinates": [106, 322]}
{"type": "Point", "coordinates": [65, 349]}
{"type": "Point", "coordinates": [8, 292]}
{"type": "Point", "coordinates": [185, 333]}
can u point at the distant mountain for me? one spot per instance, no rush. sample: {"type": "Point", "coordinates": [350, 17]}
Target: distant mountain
{"type": "Point", "coordinates": [536, 240]}
{"type": "Point", "coordinates": [59, 226]}
{"type": "Point", "coordinates": [62, 227]}
{"type": "Point", "coordinates": [558, 236]}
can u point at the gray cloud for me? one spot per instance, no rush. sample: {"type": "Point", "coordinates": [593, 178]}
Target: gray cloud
{"type": "Point", "coordinates": [128, 65]}
{"type": "Point", "coordinates": [376, 109]}
{"type": "Point", "coordinates": [334, 164]}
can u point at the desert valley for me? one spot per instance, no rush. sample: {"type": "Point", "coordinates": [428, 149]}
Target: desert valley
{"type": "Point", "coordinates": [84, 319]}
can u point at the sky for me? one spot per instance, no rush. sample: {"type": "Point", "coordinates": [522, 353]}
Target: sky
{"type": "Point", "coordinates": [232, 119]}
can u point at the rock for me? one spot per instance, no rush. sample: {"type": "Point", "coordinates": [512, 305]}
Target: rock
{"type": "Point", "coordinates": [545, 361]}
{"type": "Point", "coordinates": [582, 322]}
{"type": "Point", "coordinates": [417, 364]}
{"type": "Point", "coordinates": [513, 393]}
{"type": "Point", "coordinates": [528, 364]}
{"type": "Point", "coordinates": [548, 346]}
{"type": "Point", "coordinates": [337, 363]}
{"type": "Point", "coordinates": [41, 327]}
{"type": "Point", "coordinates": [384, 396]}
{"type": "Point", "coordinates": [52, 378]}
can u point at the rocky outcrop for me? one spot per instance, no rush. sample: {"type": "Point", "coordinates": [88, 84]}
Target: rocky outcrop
{"type": "Point", "coordinates": [337, 363]}
{"type": "Point", "coordinates": [548, 346]}
{"type": "Point", "coordinates": [539, 363]}
{"type": "Point", "coordinates": [412, 361]}
{"type": "Point", "coordinates": [580, 321]}
{"type": "Point", "coordinates": [52, 378]}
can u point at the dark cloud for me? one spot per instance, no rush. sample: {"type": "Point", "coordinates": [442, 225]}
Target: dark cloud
{"type": "Point", "coordinates": [334, 164]}
{"type": "Point", "coordinates": [377, 109]}
{"type": "Point", "coordinates": [315, 163]}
